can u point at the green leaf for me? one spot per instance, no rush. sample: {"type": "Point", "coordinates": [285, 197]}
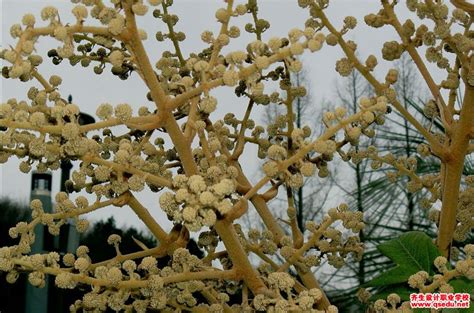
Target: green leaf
{"type": "Point", "coordinates": [400, 289]}
{"type": "Point", "coordinates": [463, 285]}
{"type": "Point", "coordinates": [411, 252]}
{"type": "Point", "coordinates": [396, 275]}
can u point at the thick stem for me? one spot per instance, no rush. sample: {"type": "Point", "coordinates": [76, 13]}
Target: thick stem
{"type": "Point", "coordinates": [157, 93]}
{"type": "Point", "coordinates": [463, 4]}
{"type": "Point", "coordinates": [181, 145]}
{"type": "Point", "coordinates": [239, 147]}
{"type": "Point", "coordinates": [453, 172]}
{"type": "Point", "coordinates": [239, 258]}
{"type": "Point", "coordinates": [261, 208]}
{"type": "Point", "coordinates": [133, 284]}
{"type": "Point", "coordinates": [147, 219]}
{"type": "Point", "coordinates": [307, 277]}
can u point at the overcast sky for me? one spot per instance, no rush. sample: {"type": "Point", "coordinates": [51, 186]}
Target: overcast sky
{"type": "Point", "coordinates": [89, 90]}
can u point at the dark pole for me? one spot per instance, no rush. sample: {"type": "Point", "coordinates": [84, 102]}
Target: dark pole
{"type": "Point", "coordinates": [66, 167]}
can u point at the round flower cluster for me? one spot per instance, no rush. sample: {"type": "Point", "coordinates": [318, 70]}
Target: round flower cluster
{"type": "Point", "coordinates": [418, 280]}
{"type": "Point", "coordinates": [123, 112]}
{"type": "Point", "coordinates": [393, 303]}
{"type": "Point", "coordinates": [303, 302]}
{"type": "Point", "coordinates": [350, 22]}
{"type": "Point", "coordinates": [344, 67]}
{"type": "Point", "coordinates": [375, 20]}
{"type": "Point", "coordinates": [199, 200]}
{"type": "Point", "coordinates": [281, 280]}
{"type": "Point", "coordinates": [392, 50]}
{"type": "Point", "coordinates": [464, 214]}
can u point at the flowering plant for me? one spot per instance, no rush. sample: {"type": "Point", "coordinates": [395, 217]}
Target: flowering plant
{"type": "Point", "coordinates": [179, 150]}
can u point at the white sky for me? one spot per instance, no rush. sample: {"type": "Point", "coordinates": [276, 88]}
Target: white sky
{"type": "Point", "coordinates": [89, 90]}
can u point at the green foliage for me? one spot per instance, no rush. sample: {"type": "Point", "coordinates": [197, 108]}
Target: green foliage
{"type": "Point", "coordinates": [463, 285]}
{"type": "Point", "coordinates": [411, 252]}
